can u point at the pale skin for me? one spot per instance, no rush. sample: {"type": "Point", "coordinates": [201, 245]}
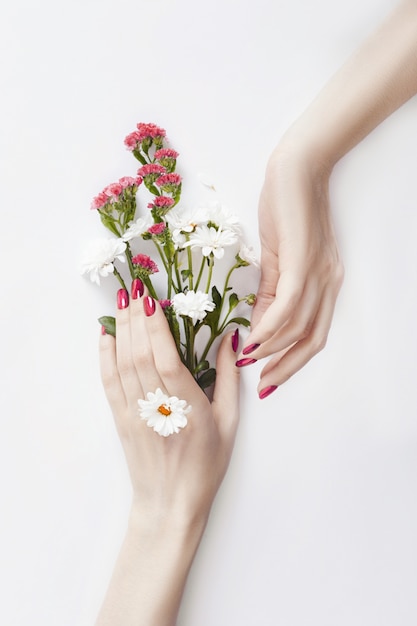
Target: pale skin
{"type": "Point", "coordinates": [302, 271]}
{"type": "Point", "coordinates": [175, 478]}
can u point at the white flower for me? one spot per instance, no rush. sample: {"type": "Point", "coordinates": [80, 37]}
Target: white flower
{"type": "Point", "coordinates": [136, 229]}
{"type": "Point", "coordinates": [211, 240]}
{"type": "Point", "coordinates": [195, 304]}
{"type": "Point", "coordinates": [223, 217]}
{"type": "Point", "coordinates": [181, 220]}
{"type": "Point", "coordinates": [247, 253]}
{"type": "Point", "coordinates": [99, 257]}
{"type": "Point", "coordinates": [165, 414]}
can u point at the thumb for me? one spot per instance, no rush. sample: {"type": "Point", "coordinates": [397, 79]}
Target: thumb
{"type": "Point", "coordinates": [226, 391]}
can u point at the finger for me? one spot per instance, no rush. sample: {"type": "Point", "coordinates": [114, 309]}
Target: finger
{"type": "Point", "coordinates": [288, 293]}
{"type": "Point", "coordinates": [143, 357]}
{"type": "Point", "coordinates": [125, 365]}
{"type": "Point", "coordinates": [279, 370]}
{"type": "Point", "coordinates": [174, 376]}
{"type": "Point", "coordinates": [110, 377]}
{"type": "Point", "coordinates": [267, 286]}
{"type": "Point", "coordinates": [226, 390]}
{"type": "Point", "coordinates": [297, 327]}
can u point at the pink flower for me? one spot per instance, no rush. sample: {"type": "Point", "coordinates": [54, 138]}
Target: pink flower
{"type": "Point", "coordinates": [166, 153]}
{"type": "Point", "coordinates": [151, 169]}
{"type": "Point", "coordinates": [161, 202]}
{"type": "Point", "coordinates": [157, 229]}
{"type": "Point", "coordinates": [99, 201]}
{"type": "Point", "coordinates": [132, 140]}
{"type": "Point", "coordinates": [127, 181]}
{"type": "Point", "coordinates": [165, 303]}
{"type": "Point", "coordinates": [113, 190]}
{"type": "Point", "coordinates": [169, 181]}
{"type": "Point", "coordinates": [144, 262]}
{"type": "Point", "coordinates": [149, 131]}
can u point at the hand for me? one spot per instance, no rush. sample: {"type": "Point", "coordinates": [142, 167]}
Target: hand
{"type": "Point", "coordinates": [301, 268]}
{"type": "Point", "coordinates": [178, 475]}
{"type": "Point", "coordinates": [174, 478]}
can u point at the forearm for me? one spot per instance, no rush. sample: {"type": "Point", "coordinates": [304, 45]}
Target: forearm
{"type": "Point", "coordinates": [378, 79]}
{"type": "Point", "coordinates": [151, 571]}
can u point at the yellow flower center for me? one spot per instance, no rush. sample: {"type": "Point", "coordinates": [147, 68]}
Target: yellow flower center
{"type": "Point", "coordinates": [164, 410]}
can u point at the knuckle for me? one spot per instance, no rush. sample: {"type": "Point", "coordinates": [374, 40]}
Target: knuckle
{"type": "Point", "coordinates": [317, 344]}
{"type": "Point", "coordinates": [142, 358]}
{"type": "Point", "coordinates": [170, 368]}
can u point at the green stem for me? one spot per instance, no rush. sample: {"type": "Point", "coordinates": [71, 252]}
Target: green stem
{"type": "Point", "coordinates": [208, 346]}
{"type": "Point", "coordinates": [129, 260]}
{"type": "Point", "coordinates": [190, 267]}
{"type": "Point", "coordinates": [210, 272]}
{"type": "Point", "coordinates": [119, 278]}
{"type": "Point", "coordinates": [200, 273]}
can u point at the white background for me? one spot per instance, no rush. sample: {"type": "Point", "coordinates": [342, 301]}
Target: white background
{"type": "Point", "coordinates": [316, 521]}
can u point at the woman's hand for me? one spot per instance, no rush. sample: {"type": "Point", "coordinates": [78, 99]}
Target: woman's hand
{"type": "Point", "coordinates": [174, 478]}
{"type": "Point", "coordinates": [301, 268]}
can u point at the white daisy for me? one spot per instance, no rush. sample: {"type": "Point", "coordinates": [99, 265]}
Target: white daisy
{"type": "Point", "coordinates": [165, 414]}
{"type": "Point", "coordinates": [224, 217]}
{"type": "Point", "coordinates": [212, 241]}
{"type": "Point", "coordinates": [181, 220]}
{"type": "Point", "coordinates": [136, 229]}
{"type": "Point", "coordinates": [194, 304]}
{"type": "Point", "coordinates": [99, 257]}
{"type": "Point", "coordinates": [247, 253]}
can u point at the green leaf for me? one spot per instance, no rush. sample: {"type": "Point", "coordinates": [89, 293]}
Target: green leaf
{"type": "Point", "coordinates": [215, 294]}
{"type": "Point", "coordinates": [239, 320]}
{"type": "Point", "coordinates": [207, 379]}
{"type": "Point", "coordinates": [212, 319]}
{"type": "Point", "coordinates": [109, 324]}
{"type": "Point", "coordinates": [139, 157]}
{"type": "Point", "coordinates": [186, 274]}
{"type": "Point", "coordinates": [233, 301]}
{"type": "Point", "coordinates": [204, 365]}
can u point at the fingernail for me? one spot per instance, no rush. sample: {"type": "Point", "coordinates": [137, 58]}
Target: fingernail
{"type": "Point", "coordinates": [137, 288]}
{"type": "Point", "coordinates": [103, 330]}
{"type": "Point", "coordinates": [250, 348]}
{"type": "Point", "coordinates": [149, 306]}
{"type": "Point", "coordinates": [267, 391]}
{"type": "Point", "coordinates": [235, 340]}
{"type": "Point", "coordinates": [122, 299]}
{"type": "Point", "coordinates": [243, 362]}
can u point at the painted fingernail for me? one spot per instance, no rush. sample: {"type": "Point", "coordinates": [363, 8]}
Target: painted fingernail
{"type": "Point", "coordinates": [137, 288]}
{"type": "Point", "coordinates": [250, 348]}
{"type": "Point", "coordinates": [103, 330]}
{"type": "Point", "coordinates": [149, 306]}
{"type": "Point", "coordinates": [267, 391]}
{"type": "Point", "coordinates": [235, 340]}
{"type": "Point", "coordinates": [122, 299]}
{"type": "Point", "coordinates": [243, 362]}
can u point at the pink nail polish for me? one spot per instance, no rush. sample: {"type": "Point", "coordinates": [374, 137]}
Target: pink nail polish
{"type": "Point", "coordinates": [243, 362]}
{"type": "Point", "coordinates": [235, 340]}
{"type": "Point", "coordinates": [250, 348]}
{"type": "Point", "coordinates": [103, 330]}
{"type": "Point", "coordinates": [122, 299]}
{"type": "Point", "coordinates": [267, 391]}
{"type": "Point", "coordinates": [149, 306]}
{"type": "Point", "coordinates": [137, 289]}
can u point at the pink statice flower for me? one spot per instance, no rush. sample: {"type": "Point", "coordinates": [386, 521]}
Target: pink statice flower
{"type": "Point", "coordinates": [150, 131]}
{"type": "Point", "coordinates": [128, 181]}
{"type": "Point", "coordinates": [169, 182]}
{"type": "Point", "coordinates": [161, 202]}
{"type": "Point", "coordinates": [113, 191]}
{"type": "Point", "coordinates": [151, 169]}
{"type": "Point", "coordinates": [157, 229]}
{"type": "Point", "coordinates": [99, 201]}
{"type": "Point", "coordinates": [166, 153]}
{"type": "Point", "coordinates": [145, 263]}
{"type": "Point", "coordinates": [165, 304]}
{"type": "Point", "coordinates": [132, 141]}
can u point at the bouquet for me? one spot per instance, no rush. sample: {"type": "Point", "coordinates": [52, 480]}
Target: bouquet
{"type": "Point", "coordinates": [188, 244]}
